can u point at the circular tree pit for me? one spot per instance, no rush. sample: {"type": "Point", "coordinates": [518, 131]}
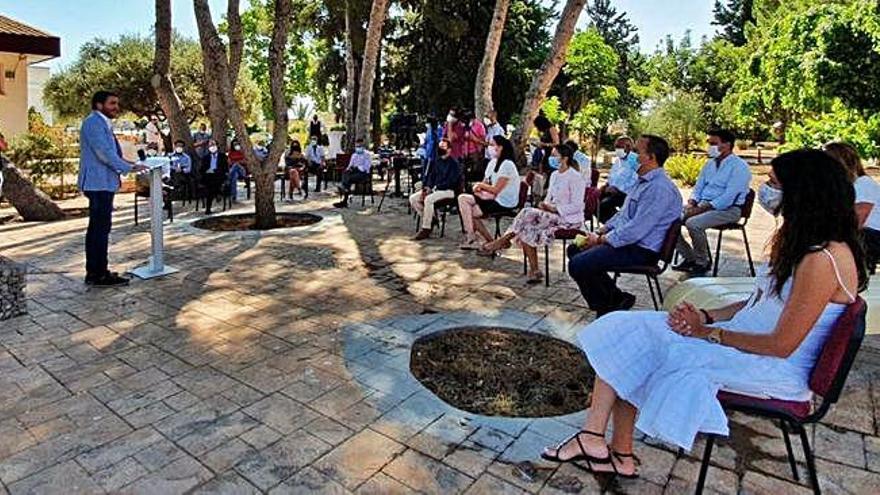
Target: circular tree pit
{"type": "Point", "coordinates": [503, 372]}
{"type": "Point", "coordinates": [245, 221]}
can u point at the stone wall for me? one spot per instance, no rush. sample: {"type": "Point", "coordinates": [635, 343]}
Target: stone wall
{"type": "Point", "coordinates": [12, 289]}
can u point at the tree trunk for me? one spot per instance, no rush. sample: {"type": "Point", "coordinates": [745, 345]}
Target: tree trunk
{"type": "Point", "coordinates": [545, 75]}
{"type": "Point", "coordinates": [31, 203]}
{"type": "Point", "coordinates": [378, 12]}
{"type": "Point", "coordinates": [236, 40]}
{"type": "Point", "coordinates": [351, 82]}
{"type": "Point", "coordinates": [486, 73]}
{"type": "Point", "coordinates": [214, 53]}
{"type": "Point", "coordinates": [376, 112]}
{"type": "Point", "coordinates": [161, 80]}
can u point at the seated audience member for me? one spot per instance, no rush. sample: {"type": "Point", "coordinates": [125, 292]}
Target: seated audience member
{"type": "Point", "coordinates": [563, 208]}
{"type": "Point", "coordinates": [634, 236]}
{"type": "Point", "coordinates": [441, 183]}
{"type": "Point", "coordinates": [294, 164]}
{"type": "Point", "coordinates": [867, 197]}
{"type": "Point", "coordinates": [237, 168]}
{"type": "Point", "coordinates": [621, 178]}
{"type": "Point", "coordinates": [316, 163]}
{"type": "Point", "coordinates": [499, 192]}
{"type": "Point", "coordinates": [260, 150]}
{"type": "Point", "coordinates": [180, 161]}
{"type": "Point", "coordinates": [661, 372]}
{"type": "Point", "coordinates": [214, 170]}
{"type": "Point", "coordinates": [357, 172]}
{"type": "Point", "coordinates": [717, 199]}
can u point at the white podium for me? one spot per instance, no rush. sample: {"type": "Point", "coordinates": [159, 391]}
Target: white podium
{"type": "Point", "coordinates": [156, 266]}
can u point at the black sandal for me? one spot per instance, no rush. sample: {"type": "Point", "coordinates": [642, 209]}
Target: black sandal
{"type": "Point", "coordinates": [619, 457]}
{"type": "Point", "coordinates": [583, 456]}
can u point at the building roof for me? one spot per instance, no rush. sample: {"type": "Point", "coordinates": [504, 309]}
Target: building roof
{"type": "Point", "coordinates": [17, 37]}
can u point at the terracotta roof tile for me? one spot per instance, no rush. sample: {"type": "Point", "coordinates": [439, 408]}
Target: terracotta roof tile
{"type": "Point", "coordinates": [10, 26]}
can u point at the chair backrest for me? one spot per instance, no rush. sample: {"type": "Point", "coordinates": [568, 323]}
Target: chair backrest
{"type": "Point", "coordinates": [667, 250]}
{"type": "Point", "coordinates": [342, 160]}
{"type": "Point", "coordinates": [748, 205]}
{"type": "Point", "coordinates": [523, 194]}
{"type": "Point", "coordinates": [594, 177]}
{"type": "Point", "coordinates": [838, 354]}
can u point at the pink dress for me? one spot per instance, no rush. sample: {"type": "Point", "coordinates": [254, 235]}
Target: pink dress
{"type": "Point", "coordinates": [535, 227]}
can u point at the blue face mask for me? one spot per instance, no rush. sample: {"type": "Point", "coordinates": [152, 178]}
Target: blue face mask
{"type": "Point", "coordinates": [359, 150]}
{"type": "Point", "coordinates": [554, 162]}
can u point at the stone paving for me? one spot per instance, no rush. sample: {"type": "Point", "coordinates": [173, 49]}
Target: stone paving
{"type": "Point", "coordinates": [278, 363]}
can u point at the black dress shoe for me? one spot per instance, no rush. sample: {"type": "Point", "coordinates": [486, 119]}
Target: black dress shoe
{"type": "Point", "coordinates": [341, 204]}
{"type": "Point", "coordinates": [698, 271]}
{"type": "Point", "coordinates": [111, 280]}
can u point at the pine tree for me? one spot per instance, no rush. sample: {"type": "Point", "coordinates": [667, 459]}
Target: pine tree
{"type": "Point", "coordinates": [732, 17]}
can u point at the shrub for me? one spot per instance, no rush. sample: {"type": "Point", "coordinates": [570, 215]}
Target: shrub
{"type": "Point", "coordinates": [685, 168]}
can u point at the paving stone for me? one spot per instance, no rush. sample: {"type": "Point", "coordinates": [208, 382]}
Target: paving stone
{"type": "Point", "coordinates": [490, 485]}
{"type": "Point", "coordinates": [470, 458]}
{"type": "Point", "coordinates": [565, 480]}
{"type": "Point", "coordinates": [841, 446]}
{"type": "Point", "coordinates": [329, 430]}
{"type": "Point", "coordinates": [442, 436]}
{"type": "Point", "coordinates": [14, 437]}
{"type": "Point", "coordinates": [179, 476]}
{"type": "Point", "coordinates": [382, 484]}
{"type": "Point", "coordinates": [122, 473]}
{"type": "Point", "coordinates": [872, 451]}
{"type": "Point", "coordinates": [307, 482]}
{"type": "Point", "coordinates": [117, 450]}
{"type": "Point", "coordinates": [260, 436]}
{"type": "Point", "coordinates": [228, 483]}
{"type": "Point", "coordinates": [839, 478]}
{"type": "Point", "coordinates": [195, 417]}
{"type": "Point", "coordinates": [426, 475]}
{"type": "Point", "coordinates": [281, 460]}
{"type": "Point", "coordinates": [65, 478]}
{"type": "Point", "coordinates": [217, 432]}
{"type": "Point", "coordinates": [227, 455]}
{"type": "Point", "coordinates": [492, 439]}
{"type": "Point", "coordinates": [281, 413]}
{"type": "Point", "coordinates": [721, 480]}
{"type": "Point", "coordinates": [756, 483]}
{"type": "Point", "coordinates": [159, 455]}
{"type": "Point", "coordinates": [409, 418]}
{"type": "Point", "coordinates": [359, 458]}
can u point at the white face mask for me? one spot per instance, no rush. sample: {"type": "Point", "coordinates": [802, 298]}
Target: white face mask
{"type": "Point", "coordinates": [450, 119]}
{"type": "Point", "coordinates": [178, 150]}
{"type": "Point", "coordinates": [151, 152]}
{"type": "Point", "coordinates": [770, 199]}
{"type": "Point", "coordinates": [714, 152]}
{"type": "Point", "coordinates": [212, 149]}
{"type": "Point", "coordinates": [487, 121]}
{"type": "Point", "coordinates": [620, 153]}
{"type": "Point", "coordinates": [237, 147]}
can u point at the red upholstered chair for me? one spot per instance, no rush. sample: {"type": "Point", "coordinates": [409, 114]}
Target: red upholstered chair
{"type": "Point", "coordinates": [653, 272]}
{"type": "Point", "coordinates": [826, 381]}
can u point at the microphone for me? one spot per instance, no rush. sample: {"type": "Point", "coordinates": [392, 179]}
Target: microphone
{"type": "Point", "coordinates": [142, 156]}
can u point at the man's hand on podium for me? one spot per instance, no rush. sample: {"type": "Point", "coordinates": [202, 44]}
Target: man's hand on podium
{"type": "Point", "coordinates": [139, 167]}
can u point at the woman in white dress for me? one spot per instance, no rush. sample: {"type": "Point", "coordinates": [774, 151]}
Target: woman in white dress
{"type": "Point", "coordinates": [667, 368]}
{"type": "Point", "coordinates": [867, 197]}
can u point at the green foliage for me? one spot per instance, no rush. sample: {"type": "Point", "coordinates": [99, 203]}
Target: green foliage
{"type": "Point", "coordinates": [125, 66]}
{"type": "Point", "coordinates": [685, 168]}
{"type": "Point", "coordinates": [733, 16]}
{"type": "Point", "coordinates": [840, 124]}
{"type": "Point", "coordinates": [45, 152]}
{"type": "Point", "coordinates": [678, 116]}
{"type": "Point", "coordinates": [553, 110]}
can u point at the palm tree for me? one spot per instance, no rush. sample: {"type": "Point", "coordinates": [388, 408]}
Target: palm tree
{"type": "Point", "coordinates": [486, 74]}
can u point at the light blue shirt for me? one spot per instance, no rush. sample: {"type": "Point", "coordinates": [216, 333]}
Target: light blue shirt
{"type": "Point", "coordinates": [623, 174]}
{"type": "Point", "coordinates": [648, 212]}
{"type": "Point", "coordinates": [213, 166]}
{"type": "Point", "coordinates": [182, 162]}
{"type": "Point", "coordinates": [360, 161]}
{"type": "Point", "coordinates": [723, 185]}
{"type": "Point", "coordinates": [100, 163]}
{"type": "Point", "coordinates": [315, 154]}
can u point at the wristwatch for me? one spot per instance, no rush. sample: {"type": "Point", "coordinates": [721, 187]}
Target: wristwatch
{"type": "Point", "coordinates": [714, 336]}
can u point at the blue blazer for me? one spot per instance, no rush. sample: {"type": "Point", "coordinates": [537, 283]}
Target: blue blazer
{"type": "Point", "coordinates": [100, 157]}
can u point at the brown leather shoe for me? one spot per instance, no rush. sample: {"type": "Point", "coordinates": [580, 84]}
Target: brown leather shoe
{"type": "Point", "coordinates": [422, 235]}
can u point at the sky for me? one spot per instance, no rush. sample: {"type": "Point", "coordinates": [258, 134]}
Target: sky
{"type": "Point", "coordinates": [78, 21]}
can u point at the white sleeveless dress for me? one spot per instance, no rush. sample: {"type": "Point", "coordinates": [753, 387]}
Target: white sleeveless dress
{"type": "Point", "coordinates": [673, 380]}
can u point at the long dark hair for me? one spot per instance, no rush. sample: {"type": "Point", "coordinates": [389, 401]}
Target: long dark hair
{"type": "Point", "coordinates": [818, 207]}
{"type": "Point", "coordinates": [565, 151]}
{"type": "Point", "coordinates": [507, 152]}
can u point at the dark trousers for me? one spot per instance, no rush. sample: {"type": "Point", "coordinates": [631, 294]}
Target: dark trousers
{"type": "Point", "coordinates": [318, 171]}
{"type": "Point", "coordinates": [871, 239]}
{"type": "Point", "coordinates": [350, 178]}
{"type": "Point", "coordinates": [590, 270]}
{"type": "Point", "coordinates": [98, 232]}
{"type": "Point", "coordinates": [213, 188]}
{"type": "Point", "coordinates": [609, 203]}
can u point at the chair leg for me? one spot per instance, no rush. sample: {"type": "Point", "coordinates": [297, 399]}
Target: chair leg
{"type": "Point", "coordinates": [704, 467]}
{"type": "Point", "coordinates": [135, 209]}
{"type": "Point", "coordinates": [717, 254]}
{"type": "Point", "coordinates": [546, 266]}
{"type": "Point", "coordinates": [442, 224]}
{"type": "Point", "coordinates": [659, 290]}
{"type": "Point", "coordinates": [811, 461]}
{"type": "Point", "coordinates": [791, 461]}
{"type": "Point", "coordinates": [564, 255]}
{"type": "Point", "coordinates": [748, 252]}
{"type": "Point", "coordinates": [497, 227]}
{"type": "Point", "coordinates": [651, 289]}
{"type": "Point", "coordinates": [525, 265]}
